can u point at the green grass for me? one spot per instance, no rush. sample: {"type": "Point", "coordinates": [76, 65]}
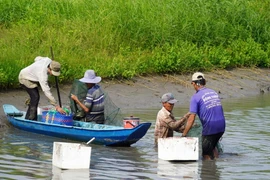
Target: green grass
{"type": "Point", "coordinates": [126, 38]}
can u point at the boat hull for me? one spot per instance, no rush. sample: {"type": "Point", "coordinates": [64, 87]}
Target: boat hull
{"type": "Point", "coordinates": [113, 136]}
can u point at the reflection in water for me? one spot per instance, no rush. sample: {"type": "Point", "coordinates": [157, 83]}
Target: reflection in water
{"type": "Point", "coordinates": [120, 163]}
{"type": "Point", "coordinates": [70, 174]}
{"type": "Point", "coordinates": [22, 157]}
{"type": "Point", "coordinates": [246, 154]}
{"type": "Point", "coordinates": [209, 170]}
{"type": "Point", "coordinates": [177, 170]}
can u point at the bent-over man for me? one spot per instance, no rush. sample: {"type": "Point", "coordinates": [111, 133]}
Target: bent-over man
{"type": "Point", "coordinates": [166, 122]}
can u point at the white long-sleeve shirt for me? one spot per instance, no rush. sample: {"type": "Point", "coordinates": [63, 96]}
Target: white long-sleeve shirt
{"type": "Point", "coordinates": [38, 72]}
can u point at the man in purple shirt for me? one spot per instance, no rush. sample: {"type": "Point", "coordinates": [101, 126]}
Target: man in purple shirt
{"type": "Point", "coordinates": [206, 104]}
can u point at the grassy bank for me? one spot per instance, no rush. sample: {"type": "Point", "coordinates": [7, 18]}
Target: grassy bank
{"type": "Point", "coordinates": [125, 38]}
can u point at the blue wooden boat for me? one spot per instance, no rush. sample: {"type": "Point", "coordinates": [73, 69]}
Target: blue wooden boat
{"type": "Point", "coordinates": [80, 131]}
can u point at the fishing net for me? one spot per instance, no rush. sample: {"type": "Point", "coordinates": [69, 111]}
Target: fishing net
{"type": "Point", "coordinates": [196, 131]}
{"type": "Point", "coordinates": [80, 90]}
{"type": "Point", "coordinates": [112, 113]}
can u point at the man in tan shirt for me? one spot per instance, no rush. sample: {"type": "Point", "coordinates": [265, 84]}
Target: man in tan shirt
{"type": "Point", "coordinates": [166, 123]}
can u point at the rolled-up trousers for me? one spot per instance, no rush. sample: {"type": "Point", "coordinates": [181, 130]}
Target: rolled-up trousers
{"type": "Point", "coordinates": [31, 113]}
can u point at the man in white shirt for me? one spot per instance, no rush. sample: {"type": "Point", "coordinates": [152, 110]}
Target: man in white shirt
{"type": "Point", "coordinates": [37, 73]}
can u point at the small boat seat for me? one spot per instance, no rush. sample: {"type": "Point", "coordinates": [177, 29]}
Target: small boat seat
{"type": "Point", "coordinates": [15, 114]}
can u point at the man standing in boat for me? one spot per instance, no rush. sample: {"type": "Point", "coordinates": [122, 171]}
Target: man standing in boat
{"type": "Point", "coordinates": [93, 105]}
{"type": "Point", "coordinates": [37, 74]}
{"type": "Point", "coordinates": [206, 103]}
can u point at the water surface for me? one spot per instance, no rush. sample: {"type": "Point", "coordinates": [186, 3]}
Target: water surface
{"type": "Point", "coordinates": [245, 144]}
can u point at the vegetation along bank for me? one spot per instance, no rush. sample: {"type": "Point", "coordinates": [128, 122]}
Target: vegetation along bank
{"type": "Point", "coordinates": [121, 39]}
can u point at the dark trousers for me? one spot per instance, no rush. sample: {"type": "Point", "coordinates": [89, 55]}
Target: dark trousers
{"type": "Point", "coordinates": [31, 113]}
{"type": "Point", "coordinates": [209, 143]}
{"type": "Point", "coordinates": [98, 119]}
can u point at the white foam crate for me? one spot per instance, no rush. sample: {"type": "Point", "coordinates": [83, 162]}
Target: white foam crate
{"type": "Point", "coordinates": [178, 148]}
{"type": "Point", "coordinates": [71, 155]}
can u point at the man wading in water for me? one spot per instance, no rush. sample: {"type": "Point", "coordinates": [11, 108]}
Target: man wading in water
{"type": "Point", "coordinates": [206, 103]}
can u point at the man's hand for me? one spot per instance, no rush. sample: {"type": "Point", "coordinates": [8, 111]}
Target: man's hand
{"type": "Point", "coordinates": [74, 97]}
{"type": "Point", "coordinates": [60, 110]}
{"type": "Point", "coordinates": [186, 116]}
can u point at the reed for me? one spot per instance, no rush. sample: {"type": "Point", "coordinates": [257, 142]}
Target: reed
{"type": "Point", "coordinates": [126, 38]}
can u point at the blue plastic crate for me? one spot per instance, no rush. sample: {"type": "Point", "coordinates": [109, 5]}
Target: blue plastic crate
{"type": "Point", "coordinates": [54, 117]}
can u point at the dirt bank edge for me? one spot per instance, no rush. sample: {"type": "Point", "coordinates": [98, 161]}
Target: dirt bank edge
{"type": "Point", "coordinates": [145, 91]}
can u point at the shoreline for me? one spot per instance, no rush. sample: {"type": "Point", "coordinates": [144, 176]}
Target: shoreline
{"type": "Point", "coordinates": [145, 91]}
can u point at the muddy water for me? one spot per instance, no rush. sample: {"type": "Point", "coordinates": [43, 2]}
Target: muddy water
{"type": "Point", "coordinates": [245, 144]}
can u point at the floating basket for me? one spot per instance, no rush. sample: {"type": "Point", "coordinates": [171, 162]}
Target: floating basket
{"type": "Point", "coordinates": [55, 117]}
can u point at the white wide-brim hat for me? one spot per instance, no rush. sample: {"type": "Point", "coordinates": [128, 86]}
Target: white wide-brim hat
{"type": "Point", "coordinates": [90, 77]}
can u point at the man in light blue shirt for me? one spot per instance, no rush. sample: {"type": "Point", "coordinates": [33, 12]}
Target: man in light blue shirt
{"type": "Point", "coordinates": [207, 105]}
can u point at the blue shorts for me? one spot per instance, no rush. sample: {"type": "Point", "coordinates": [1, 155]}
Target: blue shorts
{"type": "Point", "coordinates": [209, 143]}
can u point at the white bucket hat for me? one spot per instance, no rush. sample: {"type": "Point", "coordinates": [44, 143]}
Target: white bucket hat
{"type": "Point", "coordinates": [90, 77]}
